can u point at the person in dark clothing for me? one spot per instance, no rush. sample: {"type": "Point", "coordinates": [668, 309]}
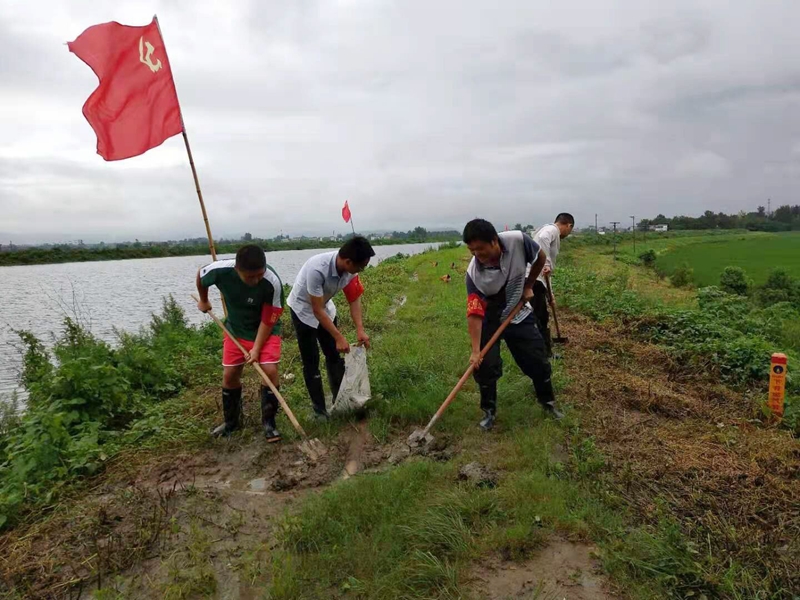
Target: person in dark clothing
{"type": "Point", "coordinates": [314, 314]}
{"type": "Point", "coordinates": [496, 283]}
{"type": "Point", "coordinates": [549, 239]}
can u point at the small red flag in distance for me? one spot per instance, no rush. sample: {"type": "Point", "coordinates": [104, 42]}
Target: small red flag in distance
{"type": "Point", "coordinates": [346, 212]}
{"type": "Point", "coordinates": [135, 106]}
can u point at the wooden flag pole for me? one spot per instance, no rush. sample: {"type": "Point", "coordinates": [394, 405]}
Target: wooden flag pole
{"type": "Point", "coordinates": [189, 152]}
{"type": "Point", "coordinates": [191, 162]}
{"type": "Point", "coordinates": [199, 192]}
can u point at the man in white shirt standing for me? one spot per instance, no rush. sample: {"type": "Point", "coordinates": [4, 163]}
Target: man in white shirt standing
{"type": "Point", "coordinates": [314, 314]}
{"type": "Point", "coordinates": [549, 239]}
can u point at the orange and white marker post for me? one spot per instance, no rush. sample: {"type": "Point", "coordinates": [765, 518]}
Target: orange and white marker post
{"type": "Point", "coordinates": [777, 383]}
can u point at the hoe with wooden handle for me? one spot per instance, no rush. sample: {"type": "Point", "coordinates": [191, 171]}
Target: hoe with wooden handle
{"type": "Point", "coordinates": [312, 448]}
{"type": "Point", "coordinates": [558, 339]}
{"type": "Point", "coordinates": [420, 437]}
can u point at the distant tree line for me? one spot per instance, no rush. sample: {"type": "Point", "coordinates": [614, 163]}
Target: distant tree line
{"type": "Point", "coordinates": [15, 255]}
{"type": "Point", "coordinates": [783, 218]}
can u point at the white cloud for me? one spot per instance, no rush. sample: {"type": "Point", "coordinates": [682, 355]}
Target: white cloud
{"type": "Point", "coordinates": [702, 164]}
{"type": "Point", "coordinates": [417, 112]}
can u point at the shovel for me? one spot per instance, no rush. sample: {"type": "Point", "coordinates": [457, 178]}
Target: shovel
{"type": "Point", "coordinates": [312, 448]}
{"type": "Point", "coordinates": [420, 437]}
{"type": "Point", "coordinates": [558, 339]}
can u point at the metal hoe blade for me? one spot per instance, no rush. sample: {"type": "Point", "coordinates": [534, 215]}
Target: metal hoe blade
{"type": "Point", "coordinates": [419, 438]}
{"type": "Point", "coordinates": [313, 448]}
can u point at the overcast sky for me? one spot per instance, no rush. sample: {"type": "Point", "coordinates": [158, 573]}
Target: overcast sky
{"type": "Point", "coordinates": [418, 111]}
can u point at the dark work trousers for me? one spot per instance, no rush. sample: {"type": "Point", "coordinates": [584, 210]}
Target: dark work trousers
{"type": "Point", "coordinates": [539, 305]}
{"type": "Point", "coordinates": [307, 338]}
{"type": "Point", "coordinates": [527, 347]}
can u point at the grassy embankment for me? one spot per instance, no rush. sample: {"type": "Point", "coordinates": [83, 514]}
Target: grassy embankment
{"type": "Point", "coordinates": [411, 531]}
{"type": "Point", "coordinates": [768, 309]}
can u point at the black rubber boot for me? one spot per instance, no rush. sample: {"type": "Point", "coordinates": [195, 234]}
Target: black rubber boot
{"type": "Point", "coordinates": [269, 410]}
{"type": "Point", "coordinates": [488, 405]}
{"type": "Point", "coordinates": [335, 371]}
{"type": "Point", "coordinates": [488, 420]}
{"type": "Point", "coordinates": [317, 393]}
{"type": "Point", "coordinates": [232, 411]}
{"type": "Point", "coordinates": [550, 409]}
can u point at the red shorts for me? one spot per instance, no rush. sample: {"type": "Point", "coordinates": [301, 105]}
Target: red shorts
{"type": "Point", "coordinates": [233, 357]}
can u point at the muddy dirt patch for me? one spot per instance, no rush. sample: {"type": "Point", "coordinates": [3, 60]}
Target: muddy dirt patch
{"type": "Point", "coordinates": [560, 570]}
{"type": "Point", "coordinates": [478, 475]}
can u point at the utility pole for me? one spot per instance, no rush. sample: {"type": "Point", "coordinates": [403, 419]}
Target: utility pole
{"type": "Point", "coordinates": [633, 228]}
{"type": "Point", "coordinates": [615, 223]}
{"type": "Point", "coordinates": [769, 208]}
{"type": "Point", "coordinates": [595, 223]}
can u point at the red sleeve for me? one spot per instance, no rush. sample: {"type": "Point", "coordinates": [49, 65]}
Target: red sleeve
{"type": "Point", "coordinates": [476, 306]}
{"type": "Point", "coordinates": [270, 314]}
{"type": "Point", "coordinates": [353, 290]}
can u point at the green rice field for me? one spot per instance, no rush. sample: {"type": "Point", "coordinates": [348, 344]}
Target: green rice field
{"type": "Point", "coordinates": [756, 254]}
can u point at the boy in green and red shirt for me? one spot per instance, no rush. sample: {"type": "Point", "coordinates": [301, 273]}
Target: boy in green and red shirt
{"type": "Point", "coordinates": [253, 295]}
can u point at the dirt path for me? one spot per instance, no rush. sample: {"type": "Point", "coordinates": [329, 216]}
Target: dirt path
{"type": "Point", "coordinates": [562, 569]}
{"type": "Point", "coordinates": [684, 446]}
{"type": "Point", "coordinates": [202, 524]}
{"type": "Point", "coordinates": [223, 500]}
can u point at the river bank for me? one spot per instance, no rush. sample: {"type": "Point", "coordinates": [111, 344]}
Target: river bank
{"type": "Point", "coordinates": [585, 508]}
{"type": "Point", "coordinates": [129, 251]}
{"type": "Point", "coordinates": [113, 296]}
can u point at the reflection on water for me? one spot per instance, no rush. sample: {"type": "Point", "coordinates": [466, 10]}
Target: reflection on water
{"type": "Point", "coordinates": [113, 295]}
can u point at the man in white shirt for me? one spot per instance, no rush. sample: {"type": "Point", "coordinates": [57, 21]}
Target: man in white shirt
{"type": "Point", "coordinates": [549, 239]}
{"type": "Point", "coordinates": [314, 314]}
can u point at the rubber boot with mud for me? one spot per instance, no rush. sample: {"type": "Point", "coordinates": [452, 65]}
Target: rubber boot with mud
{"type": "Point", "coordinates": [488, 420]}
{"type": "Point", "coordinates": [550, 409]}
{"type": "Point", "coordinates": [488, 405]}
{"type": "Point", "coordinates": [231, 410]}
{"type": "Point", "coordinates": [317, 393]}
{"type": "Point", "coordinates": [269, 410]}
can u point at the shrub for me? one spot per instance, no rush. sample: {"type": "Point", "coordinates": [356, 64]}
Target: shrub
{"type": "Point", "coordinates": [769, 296]}
{"type": "Point", "coordinates": [734, 281]}
{"type": "Point", "coordinates": [648, 258]}
{"type": "Point", "coordinates": [779, 279]}
{"type": "Point", "coordinates": [83, 395]}
{"type": "Point", "coordinates": [779, 287]}
{"type": "Point", "coordinates": [683, 276]}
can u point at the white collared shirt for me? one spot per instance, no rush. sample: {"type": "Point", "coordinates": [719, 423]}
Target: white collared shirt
{"type": "Point", "coordinates": [318, 277]}
{"type": "Point", "coordinates": [549, 240]}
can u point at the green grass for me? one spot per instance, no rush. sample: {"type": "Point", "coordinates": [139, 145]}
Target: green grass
{"type": "Point", "coordinates": [414, 531]}
{"type": "Point", "coordinates": [757, 255]}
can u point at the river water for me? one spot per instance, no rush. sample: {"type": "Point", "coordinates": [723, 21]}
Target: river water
{"type": "Point", "coordinates": [121, 294]}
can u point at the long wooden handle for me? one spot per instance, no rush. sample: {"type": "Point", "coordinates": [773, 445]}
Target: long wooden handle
{"type": "Point", "coordinates": [492, 341]}
{"type": "Point", "coordinates": [552, 304]}
{"type": "Point", "coordinates": [266, 379]}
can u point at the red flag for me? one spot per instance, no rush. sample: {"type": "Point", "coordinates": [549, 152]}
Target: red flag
{"type": "Point", "coordinates": [346, 212]}
{"type": "Point", "coordinates": [135, 107]}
